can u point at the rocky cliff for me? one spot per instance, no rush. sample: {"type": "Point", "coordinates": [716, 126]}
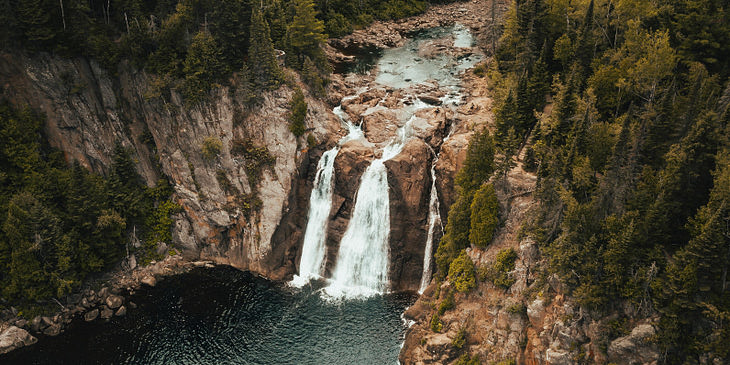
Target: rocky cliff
{"type": "Point", "coordinates": [233, 202]}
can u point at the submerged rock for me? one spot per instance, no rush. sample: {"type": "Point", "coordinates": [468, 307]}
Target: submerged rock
{"type": "Point", "coordinates": [52, 330]}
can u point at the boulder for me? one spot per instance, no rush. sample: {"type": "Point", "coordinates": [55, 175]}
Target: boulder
{"type": "Point", "coordinates": [14, 338]}
{"type": "Point", "coordinates": [430, 125]}
{"type": "Point", "coordinates": [35, 324]}
{"type": "Point", "coordinates": [106, 313]}
{"type": "Point", "coordinates": [637, 347]}
{"type": "Point", "coordinates": [535, 312]}
{"type": "Point", "coordinates": [558, 357]}
{"type": "Point", "coordinates": [149, 280]}
{"type": "Point", "coordinates": [91, 315]}
{"type": "Point", "coordinates": [52, 330]}
{"type": "Point", "coordinates": [46, 321]}
{"type": "Point", "coordinates": [380, 125]}
{"type": "Point", "coordinates": [114, 301]}
{"type": "Point", "coordinates": [433, 99]}
{"type": "Point", "coordinates": [22, 323]}
{"type": "Point", "coordinates": [418, 311]}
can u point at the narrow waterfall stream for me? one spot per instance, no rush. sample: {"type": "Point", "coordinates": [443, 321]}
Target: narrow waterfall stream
{"type": "Point", "coordinates": [320, 203]}
{"type": "Point", "coordinates": [434, 221]}
{"type": "Point", "coordinates": [362, 262]}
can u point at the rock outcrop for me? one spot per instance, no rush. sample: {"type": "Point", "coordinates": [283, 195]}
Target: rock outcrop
{"type": "Point", "coordinates": [409, 181]}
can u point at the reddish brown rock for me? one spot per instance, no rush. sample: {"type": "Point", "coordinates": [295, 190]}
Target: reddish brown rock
{"type": "Point", "coordinates": [409, 180]}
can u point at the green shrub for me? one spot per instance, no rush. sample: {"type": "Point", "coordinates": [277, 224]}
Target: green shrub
{"type": "Point", "coordinates": [461, 273]}
{"type": "Point", "coordinates": [436, 324]}
{"type": "Point", "coordinates": [311, 141]}
{"type": "Point", "coordinates": [447, 303]}
{"type": "Point", "coordinates": [160, 223]}
{"type": "Point", "coordinates": [498, 272]}
{"type": "Point", "coordinates": [517, 308]}
{"type": "Point", "coordinates": [465, 359]}
{"type": "Point", "coordinates": [256, 157]}
{"type": "Point", "coordinates": [484, 209]}
{"type": "Point", "coordinates": [506, 260]}
{"type": "Point", "coordinates": [337, 25]}
{"type": "Point", "coordinates": [481, 69]}
{"type": "Point", "coordinates": [298, 107]}
{"type": "Point", "coordinates": [506, 362]}
{"type": "Point", "coordinates": [460, 339]}
{"type": "Point", "coordinates": [211, 147]}
{"type": "Point", "coordinates": [456, 236]}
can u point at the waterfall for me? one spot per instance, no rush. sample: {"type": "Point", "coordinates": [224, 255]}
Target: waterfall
{"type": "Point", "coordinates": [362, 263]}
{"type": "Point", "coordinates": [434, 218]}
{"type": "Point", "coordinates": [320, 203]}
{"type": "Point", "coordinates": [311, 264]}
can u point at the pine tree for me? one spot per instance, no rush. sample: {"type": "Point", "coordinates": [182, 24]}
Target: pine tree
{"type": "Point", "coordinates": [202, 67]}
{"type": "Point", "coordinates": [305, 34]}
{"type": "Point", "coordinates": [313, 78]}
{"type": "Point", "coordinates": [585, 43]}
{"type": "Point", "coordinates": [478, 164]}
{"type": "Point", "coordinates": [230, 29]}
{"type": "Point", "coordinates": [35, 20]}
{"type": "Point", "coordinates": [506, 118]}
{"type": "Point", "coordinates": [484, 209]}
{"type": "Point", "coordinates": [264, 67]}
{"type": "Point", "coordinates": [298, 107]}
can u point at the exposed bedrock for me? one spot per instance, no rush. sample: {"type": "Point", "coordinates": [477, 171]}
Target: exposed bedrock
{"type": "Point", "coordinates": [409, 183]}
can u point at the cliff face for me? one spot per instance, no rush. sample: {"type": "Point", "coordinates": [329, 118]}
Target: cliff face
{"type": "Point", "coordinates": [88, 111]}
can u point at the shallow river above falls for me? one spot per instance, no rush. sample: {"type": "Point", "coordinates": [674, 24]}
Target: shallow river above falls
{"type": "Point", "coordinates": [225, 316]}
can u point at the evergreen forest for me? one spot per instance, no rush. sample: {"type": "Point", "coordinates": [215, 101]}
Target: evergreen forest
{"type": "Point", "coordinates": [621, 109]}
{"type": "Point", "coordinates": [62, 223]}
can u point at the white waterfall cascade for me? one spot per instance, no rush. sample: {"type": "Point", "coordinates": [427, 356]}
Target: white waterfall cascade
{"type": "Point", "coordinates": [311, 265]}
{"type": "Point", "coordinates": [320, 203]}
{"type": "Point", "coordinates": [434, 219]}
{"type": "Point", "coordinates": [362, 263]}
